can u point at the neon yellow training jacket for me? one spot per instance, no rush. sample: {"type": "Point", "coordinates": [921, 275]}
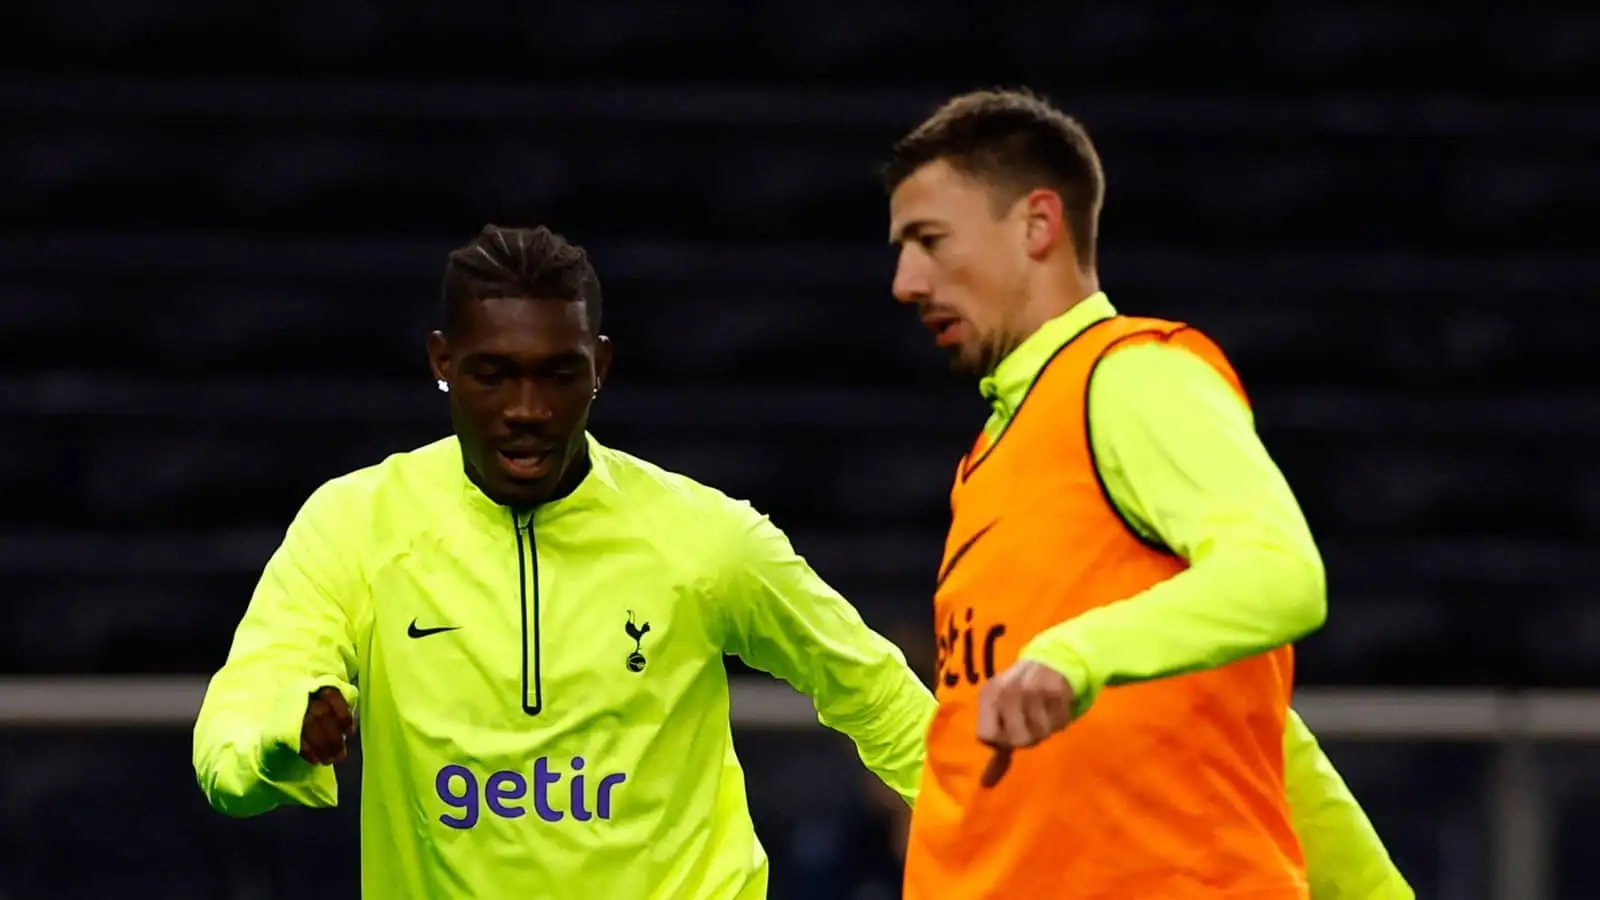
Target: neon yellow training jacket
{"type": "Point", "coordinates": [542, 703]}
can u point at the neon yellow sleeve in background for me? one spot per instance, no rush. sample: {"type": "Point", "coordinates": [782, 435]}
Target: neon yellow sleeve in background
{"type": "Point", "coordinates": [1345, 858]}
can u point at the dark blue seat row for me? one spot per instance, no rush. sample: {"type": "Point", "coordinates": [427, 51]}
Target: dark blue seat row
{"type": "Point", "coordinates": [1282, 45]}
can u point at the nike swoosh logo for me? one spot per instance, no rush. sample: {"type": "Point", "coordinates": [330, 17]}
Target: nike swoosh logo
{"type": "Point", "coordinates": [962, 551]}
{"type": "Point", "coordinates": [416, 632]}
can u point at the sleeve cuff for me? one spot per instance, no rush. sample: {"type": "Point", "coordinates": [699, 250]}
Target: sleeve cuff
{"type": "Point", "coordinates": [280, 744]}
{"type": "Point", "coordinates": [1052, 650]}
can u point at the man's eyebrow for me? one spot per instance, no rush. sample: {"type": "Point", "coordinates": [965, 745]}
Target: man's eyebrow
{"type": "Point", "coordinates": [909, 230]}
{"type": "Point", "coordinates": [566, 357]}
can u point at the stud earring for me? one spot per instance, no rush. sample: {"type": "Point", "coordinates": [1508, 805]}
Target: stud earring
{"type": "Point", "coordinates": [444, 386]}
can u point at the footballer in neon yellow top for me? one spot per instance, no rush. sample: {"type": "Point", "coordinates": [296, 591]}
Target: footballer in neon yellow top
{"type": "Point", "coordinates": [530, 628]}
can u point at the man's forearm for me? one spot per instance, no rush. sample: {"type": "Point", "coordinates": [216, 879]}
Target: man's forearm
{"type": "Point", "coordinates": [891, 733]}
{"type": "Point", "coordinates": [1177, 449]}
{"type": "Point", "coordinates": [782, 618]}
{"type": "Point", "coordinates": [1234, 602]}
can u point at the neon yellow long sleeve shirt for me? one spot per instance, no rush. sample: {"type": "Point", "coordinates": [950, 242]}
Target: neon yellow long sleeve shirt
{"type": "Point", "coordinates": [541, 698]}
{"type": "Point", "coordinates": [1180, 458]}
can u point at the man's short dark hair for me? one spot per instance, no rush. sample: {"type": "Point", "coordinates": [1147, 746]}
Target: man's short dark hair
{"type": "Point", "coordinates": [1015, 142]}
{"type": "Point", "coordinates": [534, 263]}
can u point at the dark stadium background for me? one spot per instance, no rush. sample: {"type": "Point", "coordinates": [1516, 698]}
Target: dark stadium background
{"type": "Point", "coordinates": [222, 223]}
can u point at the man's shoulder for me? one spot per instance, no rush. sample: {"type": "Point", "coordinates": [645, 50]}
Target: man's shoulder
{"type": "Point", "coordinates": [402, 472]}
{"type": "Point", "coordinates": [643, 481]}
{"type": "Point", "coordinates": [649, 488]}
{"type": "Point", "coordinates": [1163, 369]}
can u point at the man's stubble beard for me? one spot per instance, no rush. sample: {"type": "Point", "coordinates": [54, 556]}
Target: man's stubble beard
{"type": "Point", "coordinates": [987, 356]}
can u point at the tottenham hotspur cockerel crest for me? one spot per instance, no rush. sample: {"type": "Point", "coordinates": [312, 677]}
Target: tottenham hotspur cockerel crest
{"type": "Point", "coordinates": [637, 632]}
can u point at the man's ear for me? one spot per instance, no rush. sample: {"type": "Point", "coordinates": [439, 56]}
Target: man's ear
{"type": "Point", "coordinates": [1045, 222]}
{"type": "Point", "coordinates": [602, 360]}
{"type": "Point", "coordinates": [439, 355]}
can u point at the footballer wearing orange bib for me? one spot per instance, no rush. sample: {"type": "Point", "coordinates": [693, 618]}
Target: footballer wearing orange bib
{"type": "Point", "coordinates": [1125, 572]}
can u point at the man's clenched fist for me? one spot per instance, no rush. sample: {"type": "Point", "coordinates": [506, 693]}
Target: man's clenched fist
{"type": "Point", "coordinates": [328, 722]}
{"type": "Point", "coordinates": [1019, 708]}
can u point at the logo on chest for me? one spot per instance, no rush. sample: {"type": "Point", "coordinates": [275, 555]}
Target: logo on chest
{"type": "Point", "coordinates": [636, 633]}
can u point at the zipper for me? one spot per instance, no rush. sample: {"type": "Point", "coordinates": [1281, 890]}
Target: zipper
{"type": "Point", "coordinates": [528, 590]}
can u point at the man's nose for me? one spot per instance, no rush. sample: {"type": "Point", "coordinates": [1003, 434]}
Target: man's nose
{"type": "Point", "coordinates": [528, 403]}
{"type": "Point", "coordinates": [910, 285]}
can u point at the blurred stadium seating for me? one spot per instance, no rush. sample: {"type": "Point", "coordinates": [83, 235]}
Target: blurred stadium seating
{"type": "Point", "coordinates": [222, 228]}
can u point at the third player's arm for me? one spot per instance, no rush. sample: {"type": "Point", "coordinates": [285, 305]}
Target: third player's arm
{"type": "Point", "coordinates": [297, 635]}
{"type": "Point", "coordinates": [780, 617]}
{"type": "Point", "coordinates": [1345, 858]}
{"type": "Point", "coordinates": [1178, 452]}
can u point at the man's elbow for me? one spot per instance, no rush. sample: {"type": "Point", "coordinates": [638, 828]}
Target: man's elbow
{"type": "Point", "coordinates": [1302, 592]}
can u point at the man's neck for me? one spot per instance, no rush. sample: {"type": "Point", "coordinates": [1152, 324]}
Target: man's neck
{"type": "Point", "coordinates": [576, 471]}
{"type": "Point", "coordinates": [1050, 301]}
{"type": "Point", "coordinates": [1055, 294]}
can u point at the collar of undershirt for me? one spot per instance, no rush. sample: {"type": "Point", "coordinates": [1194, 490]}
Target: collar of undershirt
{"type": "Point", "coordinates": [1005, 387]}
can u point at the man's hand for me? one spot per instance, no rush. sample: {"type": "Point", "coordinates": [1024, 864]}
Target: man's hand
{"type": "Point", "coordinates": [328, 722]}
{"type": "Point", "coordinates": [1019, 708]}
